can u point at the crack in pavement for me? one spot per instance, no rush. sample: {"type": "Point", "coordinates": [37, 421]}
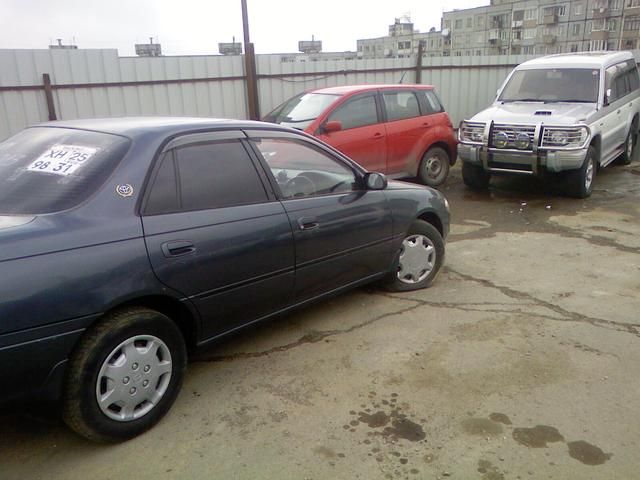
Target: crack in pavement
{"type": "Point", "coordinates": [563, 315]}
{"type": "Point", "coordinates": [567, 315]}
{"type": "Point", "coordinates": [311, 337]}
{"type": "Point", "coordinates": [564, 232]}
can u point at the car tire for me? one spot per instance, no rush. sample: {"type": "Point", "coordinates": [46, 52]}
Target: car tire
{"type": "Point", "coordinates": [110, 364]}
{"type": "Point", "coordinates": [475, 177]}
{"type": "Point", "coordinates": [420, 268]}
{"type": "Point", "coordinates": [580, 181]}
{"type": "Point", "coordinates": [434, 167]}
{"type": "Point", "coordinates": [629, 145]}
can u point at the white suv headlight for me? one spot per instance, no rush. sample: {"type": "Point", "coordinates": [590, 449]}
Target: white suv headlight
{"type": "Point", "coordinates": [471, 132]}
{"type": "Point", "coordinates": [565, 137]}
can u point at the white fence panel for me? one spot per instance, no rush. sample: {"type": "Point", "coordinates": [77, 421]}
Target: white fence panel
{"type": "Point", "coordinates": [98, 83]}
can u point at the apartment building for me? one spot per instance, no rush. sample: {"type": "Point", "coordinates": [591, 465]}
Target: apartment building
{"type": "Point", "coordinates": [520, 27]}
{"type": "Point", "coordinates": [402, 41]}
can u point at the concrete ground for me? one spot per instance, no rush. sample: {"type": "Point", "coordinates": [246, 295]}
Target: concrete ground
{"type": "Point", "coordinates": [520, 362]}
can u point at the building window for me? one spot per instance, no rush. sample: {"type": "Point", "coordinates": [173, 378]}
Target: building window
{"type": "Point", "coordinates": [529, 49]}
{"type": "Point", "coordinates": [632, 23]}
{"type": "Point", "coordinates": [478, 53]}
{"type": "Point", "coordinates": [530, 33]}
{"type": "Point", "coordinates": [458, 54]}
{"type": "Point", "coordinates": [480, 37]}
{"type": "Point", "coordinates": [559, 10]}
{"type": "Point", "coordinates": [479, 21]}
{"type": "Point", "coordinates": [578, 9]}
{"type": "Point", "coordinates": [458, 24]}
{"type": "Point", "coordinates": [574, 48]}
{"type": "Point", "coordinates": [612, 24]}
{"type": "Point", "coordinates": [588, 27]}
{"type": "Point", "coordinates": [633, 3]}
{"type": "Point", "coordinates": [576, 29]}
{"type": "Point", "coordinates": [469, 22]}
{"type": "Point", "coordinates": [447, 24]}
{"type": "Point", "coordinates": [531, 14]}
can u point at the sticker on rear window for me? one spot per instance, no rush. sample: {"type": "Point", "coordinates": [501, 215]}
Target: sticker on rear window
{"type": "Point", "coordinates": [62, 159]}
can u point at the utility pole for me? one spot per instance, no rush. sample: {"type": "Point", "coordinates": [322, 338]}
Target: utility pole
{"type": "Point", "coordinates": [250, 67]}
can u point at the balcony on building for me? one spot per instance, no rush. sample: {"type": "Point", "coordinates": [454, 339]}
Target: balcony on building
{"type": "Point", "coordinates": [601, 13]}
{"type": "Point", "coordinates": [550, 19]}
{"type": "Point", "coordinates": [549, 39]}
{"type": "Point", "coordinates": [599, 35]}
{"type": "Point", "coordinates": [517, 24]}
{"type": "Point", "coordinates": [632, 7]}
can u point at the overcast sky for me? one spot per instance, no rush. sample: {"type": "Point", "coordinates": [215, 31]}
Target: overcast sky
{"type": "Point", "coordinates": [186, 27]}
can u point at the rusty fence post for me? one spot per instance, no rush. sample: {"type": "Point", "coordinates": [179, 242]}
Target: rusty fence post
{"type": "Point", "coordinates": [252, 82]}
{"type": "Point", "coordinates": [419, 62]}
{"type": "Point", "coordinates": [48, 93]}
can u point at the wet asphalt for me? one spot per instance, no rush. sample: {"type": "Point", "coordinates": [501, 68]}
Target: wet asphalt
{"type": "Point", "coordinates": [520, 362]}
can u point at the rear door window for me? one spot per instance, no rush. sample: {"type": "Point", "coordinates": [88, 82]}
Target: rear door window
{"type": "Point", "coordinates": [46, 170]}
{"type": "Point", "coordinates": [401, 105]}
{"type": "Point", "coordinates": [359, 112]}
{"type": "Point", "coordinates": [205, 176]}
{"type": "Point", "coordinates": [431, 101]}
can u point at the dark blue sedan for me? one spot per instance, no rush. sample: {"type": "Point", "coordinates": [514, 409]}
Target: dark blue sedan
{"type": "Point", "coordinates": [127, 243]}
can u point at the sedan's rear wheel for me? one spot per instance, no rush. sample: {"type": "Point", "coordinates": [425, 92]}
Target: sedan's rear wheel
{"type": "Point", "coordinates": [124, 376]}
{"type": "Point", "coordinates": [419, 260]}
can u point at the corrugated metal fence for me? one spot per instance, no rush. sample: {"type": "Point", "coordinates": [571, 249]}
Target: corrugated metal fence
{"type": "Point", "coordinates": [98, 83]}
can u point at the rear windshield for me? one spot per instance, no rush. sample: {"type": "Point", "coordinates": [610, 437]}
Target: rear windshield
{"type": "Point", "coordinates": [553, 85]}
{"type": "Point", "coordinates": [45, 170]}
{"type": "Point", "coordinates": [301, 110]}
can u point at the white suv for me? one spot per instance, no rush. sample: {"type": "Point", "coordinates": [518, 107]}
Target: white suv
{"type": "Point", "coordinates": [570, 113]}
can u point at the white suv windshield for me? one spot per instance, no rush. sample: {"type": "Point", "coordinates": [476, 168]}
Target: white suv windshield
{"type": "Point", "coordinates": [552, 85]}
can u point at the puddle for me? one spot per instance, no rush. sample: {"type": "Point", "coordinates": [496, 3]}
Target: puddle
{"type": "Point", "coordinates": [376, 420]}
{"type": "Point", "coordinates": [406, 429]}
{"type": "Point", "coordinates": [489, 471]}
{"type": "Point", "coordinates": [500, 418]}
{"type": "Point", "coordinates": [396, 424]}
{"type": "Point", "coordinates": [586, 453]}
{"type": "Point", "coordinates": [537, 437]}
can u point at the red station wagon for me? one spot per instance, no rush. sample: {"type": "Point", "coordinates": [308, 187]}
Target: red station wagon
{"type": "Point", "coordinates": [399, 130]}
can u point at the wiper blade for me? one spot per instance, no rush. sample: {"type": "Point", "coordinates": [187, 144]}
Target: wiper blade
{"type": "Point", "coordinates": [511, 100]}
{"type": "Point", "coordinates": [570, 101]}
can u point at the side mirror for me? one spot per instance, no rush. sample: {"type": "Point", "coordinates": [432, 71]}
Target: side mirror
{"type": "Point", "coordinates": [607, 96]}
{"type": "Point", "coordinates": [332, 126]}
{"type": "Point", "coordinates": [375, 181]}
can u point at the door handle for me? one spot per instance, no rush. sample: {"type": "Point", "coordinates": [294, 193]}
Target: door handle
{"type": "Point", "coordinates": [619, 110]}
{"type": "Point", "coordinates": [377, 136]}
{"type": "Point", "coordinates": [178, 248]}
{"type": "Point", "coordinates": [308, 223]}
{"type": "Point", "coordinates": [426, 124]}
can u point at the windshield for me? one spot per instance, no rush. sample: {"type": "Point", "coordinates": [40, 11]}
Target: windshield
{"type": "Point", "coordinates": [44, 170]}
{"type": "Point", "coordinates": [301, 110]}
{"type": "Point", "coordinates": [552, 85]}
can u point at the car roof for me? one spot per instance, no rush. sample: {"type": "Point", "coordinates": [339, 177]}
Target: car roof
{"type": "Point", "coordinates": [135, 126]}
{"type": "Point", "coordinates": [348, 89]}
{"type": "Point", "coordinates": [577, 60]}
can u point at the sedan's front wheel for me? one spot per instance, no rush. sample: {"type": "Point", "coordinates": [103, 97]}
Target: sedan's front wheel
{"type": "Point", "coordinates": [124, 376]}
{"type": "Point", "coordinates": [419, 260]}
